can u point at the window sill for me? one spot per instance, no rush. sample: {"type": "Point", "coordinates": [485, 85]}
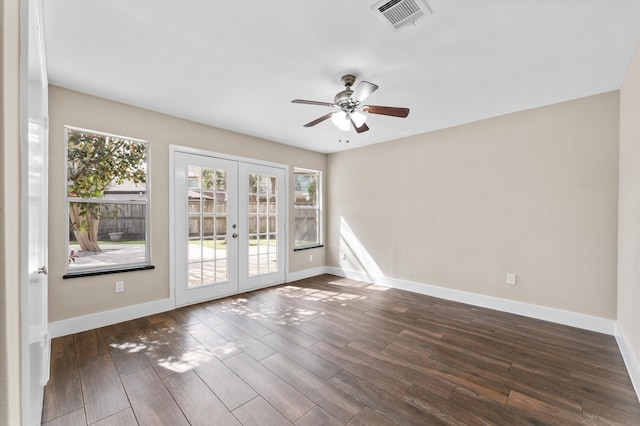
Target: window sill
{"type": "Point", "coordinates": [307, 248]}
{"type": "Point", "coordinates": [106, 272]}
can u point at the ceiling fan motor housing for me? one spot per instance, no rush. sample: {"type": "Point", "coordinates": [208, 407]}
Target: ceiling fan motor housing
{"type": "Point", "coordinates": [343, 99]}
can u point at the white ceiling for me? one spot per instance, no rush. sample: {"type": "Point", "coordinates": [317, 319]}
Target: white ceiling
{"type": "Point", "coordinates": [238, 64]}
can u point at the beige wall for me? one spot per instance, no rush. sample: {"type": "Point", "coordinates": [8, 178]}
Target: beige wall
{"type": "Point", "coordinates": [9, 216]}
{"type": "Point", "coordinates": [629, 209]}
{"type": "Point", "coordinates": [81, 296]}
{"type": "Point", "coordinates": [533, 193]}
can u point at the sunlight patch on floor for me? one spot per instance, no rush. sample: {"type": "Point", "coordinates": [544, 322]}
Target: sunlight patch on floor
{"type": "Point", "coordinates": [315, 295]}
{"type": "Point", "coordinates": [187, 361]}
{"type": "Point", "coordinates": [129, 347]}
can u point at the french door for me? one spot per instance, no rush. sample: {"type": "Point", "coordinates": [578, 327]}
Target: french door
{"type": "Point", "coordinates": [229, 224]}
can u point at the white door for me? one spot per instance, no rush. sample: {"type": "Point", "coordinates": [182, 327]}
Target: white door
{"type": "Point", "coordinates": [229, 227]}
{"type": "Point", "coordinates": [262, 217]}
{"type": "Point", "coordinates": [35, 347]}
{"type": "Point", "coordinates": [206, 214]}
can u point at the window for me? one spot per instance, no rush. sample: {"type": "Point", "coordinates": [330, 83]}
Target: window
{"type": "Point", "coordinates": [307, 208]}
{"type": "Point", "coordinates": [108, 203]}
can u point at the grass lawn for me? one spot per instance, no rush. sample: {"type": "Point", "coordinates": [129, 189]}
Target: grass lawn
{"type": "Point", "coordinates": [221, 244]}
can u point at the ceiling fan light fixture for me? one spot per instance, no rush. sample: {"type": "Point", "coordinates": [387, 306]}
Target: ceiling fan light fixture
{"type": "Point", "coordinates": [341, 120]}
{"type": "Point", "coordinates": [358, 118]}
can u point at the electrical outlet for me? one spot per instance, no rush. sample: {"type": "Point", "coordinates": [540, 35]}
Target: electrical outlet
{"type": "Point", "coordinates": [310, 258]}
{"type": "Point", "coordinates": [119, 286]}
{"type": "Point", "coordinates": [511, 279]}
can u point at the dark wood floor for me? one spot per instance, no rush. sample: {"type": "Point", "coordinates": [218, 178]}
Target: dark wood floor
{"type": "Point", "coordinates": [333, 351]}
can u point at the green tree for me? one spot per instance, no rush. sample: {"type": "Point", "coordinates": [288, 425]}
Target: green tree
{"type": "Point", "coordinates": [94, 163]}
{"type": "Point", "coordinates": [312, 189]}
{"type": "Point", "coordinates": [214, 179]}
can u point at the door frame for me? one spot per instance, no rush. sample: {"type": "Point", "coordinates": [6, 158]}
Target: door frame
{"type": "Point", "coordinates": [173, 149]}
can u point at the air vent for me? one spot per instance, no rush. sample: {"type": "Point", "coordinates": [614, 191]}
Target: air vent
{"type": "Point", "coordinates": [400, 13]}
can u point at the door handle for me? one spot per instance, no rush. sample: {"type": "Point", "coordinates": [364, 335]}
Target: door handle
{"type": "Point", "coordinates": [43, 270]}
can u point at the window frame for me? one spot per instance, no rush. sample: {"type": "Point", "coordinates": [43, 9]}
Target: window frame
{"type": "Point", "coordinates": [107, 200]}
{"type": "Point", "coordinates": [317, 208]}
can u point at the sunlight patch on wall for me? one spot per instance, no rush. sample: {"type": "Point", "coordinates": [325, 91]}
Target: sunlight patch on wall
{"type": "Point", "coordinates": [356, 260]}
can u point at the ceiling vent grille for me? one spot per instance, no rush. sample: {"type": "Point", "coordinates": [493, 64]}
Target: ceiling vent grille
{"type": "Point", "coordinates": [400, 13]}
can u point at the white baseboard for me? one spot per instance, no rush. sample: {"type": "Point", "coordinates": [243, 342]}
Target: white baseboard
{"type": "Point", "coordinates": [573, 319]}
{"type": "Point", "coordinates": [630, 359]}
{"type": "Point", "coordinates": [102, 319]}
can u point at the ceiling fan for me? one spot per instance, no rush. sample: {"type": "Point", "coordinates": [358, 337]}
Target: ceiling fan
{"type": "Point", "coordinates": [350, 109]}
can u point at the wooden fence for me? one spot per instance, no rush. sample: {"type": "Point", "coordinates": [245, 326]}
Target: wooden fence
{"type": "Point", "coordinates": [130, 219]}
{"type": "Point", "coordinates": [126, 218]}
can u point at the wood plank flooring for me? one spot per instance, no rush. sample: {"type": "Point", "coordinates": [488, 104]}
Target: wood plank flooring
{"type": "Point", "coordinates": [333, 351]}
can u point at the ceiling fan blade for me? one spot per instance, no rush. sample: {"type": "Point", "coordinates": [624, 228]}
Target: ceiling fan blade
{"type": "Point", "coordinates": [318, 120]}
{"type": "Point", "coordinates": [303, 101]}
{"type": "Point", "coordinates": [363, 91]}
{"type": "Point", "coordinates": [360, 129]}
{"type": "Point", "coordinates": [385, 110]}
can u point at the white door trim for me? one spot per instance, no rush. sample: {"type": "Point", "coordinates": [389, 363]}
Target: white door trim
{"type": "Point", "coordinates": [189, 150]}
{"type": "Point", "coordinates": [173, 149]}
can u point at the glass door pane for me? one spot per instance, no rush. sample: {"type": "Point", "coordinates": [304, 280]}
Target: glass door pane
{"type": "Point", "coordinates": [261, 256]}
{"type": "Point", "coordinates": [207, 228]}
{"type": "Point", "coordinates": [263, 234]}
